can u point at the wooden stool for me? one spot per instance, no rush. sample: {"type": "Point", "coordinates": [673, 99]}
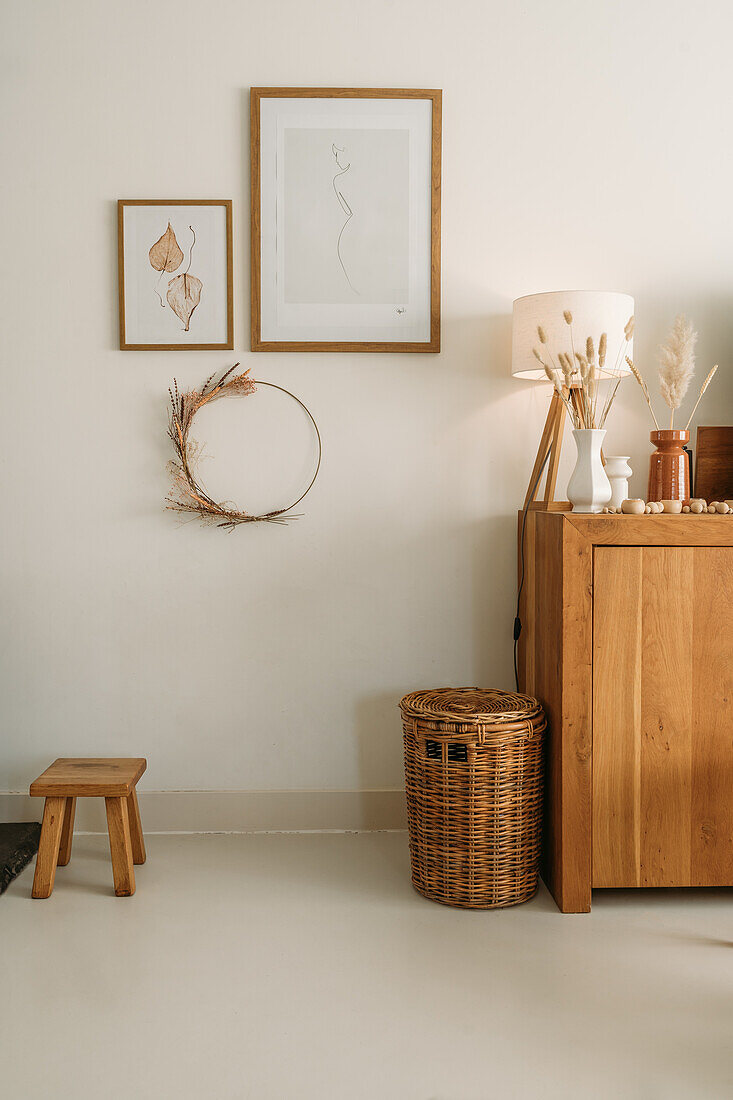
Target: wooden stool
{"type": "Point", "coordinates": [61, 785]}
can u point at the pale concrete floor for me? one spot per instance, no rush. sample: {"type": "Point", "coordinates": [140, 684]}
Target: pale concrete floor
{"type": "Point", "coordinates": [291, 967]}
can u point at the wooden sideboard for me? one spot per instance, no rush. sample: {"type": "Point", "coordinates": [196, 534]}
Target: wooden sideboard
{"type": "Point", "coordinates": [627, 641]}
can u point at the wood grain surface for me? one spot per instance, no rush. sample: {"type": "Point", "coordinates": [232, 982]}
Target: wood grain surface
{"type": "Point", "coordinates": [714, 463]}
{"type": "Point", "coordinates": [67, 832]}
{"type": "Point", "coordinates": [663, 717]}
{"type": "Point", "coordinates": [136, 830]}
{"type": "Point", "coordinates": [120, 846]}
{"type": "Point", "coordinates": [48, 849]}
{"type": "Point", "coordinates": [89, 776]}
{"type": "Point", "coordinates": [712, 715]}
{"type": "Point", "coordinates": [658, 530]}
{"type": "Point", "coordinates": [627, 641]}
{"type": "Point", "coordinates": [555, 663]}
{"type": "Point", "coordinates": [616, 716]}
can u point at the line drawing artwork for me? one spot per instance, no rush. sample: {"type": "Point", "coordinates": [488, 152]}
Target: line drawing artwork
{"type": "Point", "coordinates": [184, 291]}
{"type": "Point", "coordinates": [335, 150]}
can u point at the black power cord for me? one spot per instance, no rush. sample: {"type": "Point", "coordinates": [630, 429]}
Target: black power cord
{"type": "Point", "coordinates": [517, 620]}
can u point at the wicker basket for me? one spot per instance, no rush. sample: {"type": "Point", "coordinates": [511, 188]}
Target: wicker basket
{"type": "Point", "coordinates": [473, 778]}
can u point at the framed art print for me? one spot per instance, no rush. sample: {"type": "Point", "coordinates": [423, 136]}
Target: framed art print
{"type": "Point", "coordinates": [345, 219]}
{"type": "Point", "coordinates": [175, 274]}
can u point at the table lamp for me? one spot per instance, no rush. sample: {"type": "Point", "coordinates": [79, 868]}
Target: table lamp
{"type": "Point", "coordinates": [594, 312]}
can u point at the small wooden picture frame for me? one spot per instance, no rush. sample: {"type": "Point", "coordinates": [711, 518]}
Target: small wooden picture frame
{"type": "Point", "coordinates": [714, 463]}
{"type": "Point", "coordinates": [175, 274]}
{"type": "Point", "coordinates": [345, 219]}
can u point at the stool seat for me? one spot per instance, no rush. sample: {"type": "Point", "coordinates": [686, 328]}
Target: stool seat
{"type": "Point", "coordinates": [110, 778]}
{"type": "Point", "coordinates": [89, 777]}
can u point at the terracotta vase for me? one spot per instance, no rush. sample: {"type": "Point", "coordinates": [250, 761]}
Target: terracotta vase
{"type": "Point", "coordinates": [669, 470]}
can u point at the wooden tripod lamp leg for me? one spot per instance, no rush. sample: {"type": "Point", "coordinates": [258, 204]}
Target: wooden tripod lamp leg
{"type": "Point", "coordinates": [551, 440]}
{"type": "Point", "coordinates": [554, 459]}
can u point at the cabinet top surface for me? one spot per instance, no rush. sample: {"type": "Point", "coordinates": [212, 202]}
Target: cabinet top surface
{"type": "Point", "coordinates": [658, 530]}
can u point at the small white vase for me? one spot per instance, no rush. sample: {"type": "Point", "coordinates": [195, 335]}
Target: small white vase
{"type": "Point", "coordinates": [618, 473]}
{"type": "Point", "coordinates": [589, 489]}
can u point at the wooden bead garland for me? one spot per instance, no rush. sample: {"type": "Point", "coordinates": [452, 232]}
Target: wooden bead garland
{"type": "Point", "coordinates": [695, 507]}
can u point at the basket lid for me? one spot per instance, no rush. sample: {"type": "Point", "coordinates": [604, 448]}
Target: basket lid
{"type": "Point", "coordinates": [468, 704]}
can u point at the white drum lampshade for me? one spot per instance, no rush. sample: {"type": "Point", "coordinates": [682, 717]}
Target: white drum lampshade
{"type": "Point", "coordinates": [594, 312]}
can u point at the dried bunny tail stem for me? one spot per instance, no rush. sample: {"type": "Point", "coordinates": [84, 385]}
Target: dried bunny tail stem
{"type": "Point", "coordinates": [609, 402]}
{"type": "Point", "coordinates": [590, 354]}
{"type": "Point", "coordinates": [594, 388]}
{"type": "Point", "coordinates": [620, 356]}
{"type": "Point", "coordinates": [569, 322]}
{"type": "Point", "coordinates": [704, 386]}
{"type": "Point", "coordinates": [545, 366]}
{"type": "Point", "coordinates": [567, 368]}
{"type": "Point", "coordinates": [644, 389]}
{"type": "Point", "coordinates": [552, 377]}
{"type": "Point", "coordinates": [602, 344]}
{"type": "Point", "coordinates": [615, 372]}
{"type": "Point", "coordinates": [586, 391]}
{"type": "Point", "coordinates": [543, 340]}
{"type": "Point", "coordinates": [558, 389]}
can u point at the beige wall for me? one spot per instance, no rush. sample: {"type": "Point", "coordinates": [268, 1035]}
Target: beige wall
{"type": "Point", "coordinates": [585, 145]}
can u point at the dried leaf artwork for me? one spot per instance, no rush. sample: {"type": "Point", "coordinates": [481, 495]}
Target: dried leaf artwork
{"type": "Point", "coordinates": [184, 291]}
{"type": "Point", "coordinates": [165, 255]}
{"type": "Point", "coordinates": [184, 294]}
{"type": "Point", "coordinates": [187, 493]}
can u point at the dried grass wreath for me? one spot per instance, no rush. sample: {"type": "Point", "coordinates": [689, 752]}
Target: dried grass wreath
{"type": "Point", "coordinates": [187, 493]}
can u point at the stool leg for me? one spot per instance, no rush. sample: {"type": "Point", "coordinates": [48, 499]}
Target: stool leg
{"type": "Point", "coordinates": [136, 828]}
{"type": "Point", "coordinates": [67, 832]}
{"type": "Point", "coordinates": [48, 848]}
{"type": "Point", "coordinates": [120, 847]}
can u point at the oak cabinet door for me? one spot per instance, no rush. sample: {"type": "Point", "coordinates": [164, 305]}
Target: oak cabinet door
{"type": "Point", "coordinates": [662, 716]}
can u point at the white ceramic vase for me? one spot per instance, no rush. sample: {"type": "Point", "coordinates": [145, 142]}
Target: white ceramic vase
{"type": "Point", "coordinates": [589, 490]}
{"type": "Point", "coordinates": [618, 473]}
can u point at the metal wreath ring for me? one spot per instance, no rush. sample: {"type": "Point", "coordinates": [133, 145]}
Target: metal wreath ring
{"type": "Point", "coordinates": [187, 494]}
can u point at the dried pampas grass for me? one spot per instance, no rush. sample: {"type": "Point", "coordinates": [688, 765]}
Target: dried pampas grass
{"type": "Point", "coordinates": [676, 370]}
{"type": "Point", "coordinates": [677, 364]}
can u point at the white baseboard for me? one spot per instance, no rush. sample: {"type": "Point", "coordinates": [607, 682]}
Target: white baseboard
{"type": "Point", "coordinates": [235, 811]}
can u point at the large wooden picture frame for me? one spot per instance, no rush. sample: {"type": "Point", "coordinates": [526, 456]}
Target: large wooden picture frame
{"type": "Point", "coordinates": [342, 259]}
{"type": "Point", "coordinates": [176, 276]}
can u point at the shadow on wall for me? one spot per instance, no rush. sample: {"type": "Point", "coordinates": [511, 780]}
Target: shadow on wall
{"type": "Point", "coordinates": [480, 344]}
{"type": "Point", "coordinates": [378, 722]}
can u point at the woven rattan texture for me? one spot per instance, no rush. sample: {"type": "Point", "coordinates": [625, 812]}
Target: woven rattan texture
{"type": "Point", "coordinates": [473, 780]}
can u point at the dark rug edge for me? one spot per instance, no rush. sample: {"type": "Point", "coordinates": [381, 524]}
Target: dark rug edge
{"type": "Point", "coordinates": [18, 845]}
